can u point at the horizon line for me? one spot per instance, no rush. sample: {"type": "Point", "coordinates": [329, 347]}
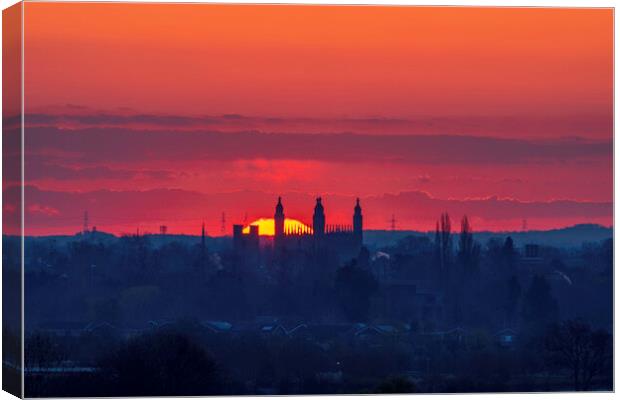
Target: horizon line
{"type": "Point", "coordinates": [388, 230]}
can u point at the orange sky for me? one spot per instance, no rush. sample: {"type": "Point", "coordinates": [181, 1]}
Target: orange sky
{"type": "Point", "coordinates": [320, 60]}
{"type": "Point", "coordinates": [149, 114]}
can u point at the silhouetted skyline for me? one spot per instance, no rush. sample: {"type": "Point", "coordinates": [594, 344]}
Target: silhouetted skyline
{"type": "Point", "coordinates": [399, 106]}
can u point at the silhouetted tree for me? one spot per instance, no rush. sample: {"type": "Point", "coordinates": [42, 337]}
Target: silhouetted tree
{"type": "Point", "coordinates": [161, 364]}
{"type": "Point", "coordinates": [469, 251]}
{"type": "Point", "coordinates": [354, 287]}
{"type": "Point", "coordinates": [363, 258]}
{"type": "Point", "coordinates": [437, 253]}
{"type": "Point", "coordinates": [513, 294]}
{"type": "Point", "coordinates": [539, 305]}
{"type": "Point", "coordinates": [586, 353]}
{"type": "Point", "coordinates": [443, 243]}
{"type": "Point", "coordinates": [509, 255]}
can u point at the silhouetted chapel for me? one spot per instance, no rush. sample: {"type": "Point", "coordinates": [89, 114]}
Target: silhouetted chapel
{"type": "Point", "coordinates": [345, 240]}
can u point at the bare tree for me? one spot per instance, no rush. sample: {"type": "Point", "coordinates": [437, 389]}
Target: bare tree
{"type": "Point", "coordinates": [586, 353]}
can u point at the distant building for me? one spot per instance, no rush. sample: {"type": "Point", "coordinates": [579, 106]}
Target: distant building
{"type": "Point", "coordinates": [531, 260]}
{"type": "Point", "coordinates": [344, 240]}
{"type": "Point", "coordinates": [531, 251]}
{"type": "Point", "coordinates": [246, 247]}
{"type": "Point", "coordinates": [243, 241]}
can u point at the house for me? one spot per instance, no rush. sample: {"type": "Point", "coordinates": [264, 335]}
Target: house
{"type": "Point", "coordinates": [374, 335]}
{"type": "Point", "coordinates": [274, 330]}
{"type": "Point", "coordinates": [300, 330]}
{"type": "Point", "coordinates": [217, 326]}
{"type": "Point", "coordinates": [506, 337]}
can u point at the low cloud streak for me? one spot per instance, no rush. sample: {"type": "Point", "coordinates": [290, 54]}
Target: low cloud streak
{"type": "Point", "coordinates": [180, 209]}
{"type": "Point", "coordinates": [125, 145]}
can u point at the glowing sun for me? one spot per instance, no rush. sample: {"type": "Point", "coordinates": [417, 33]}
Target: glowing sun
{"type": "Point", "coordinates": [266, 226]}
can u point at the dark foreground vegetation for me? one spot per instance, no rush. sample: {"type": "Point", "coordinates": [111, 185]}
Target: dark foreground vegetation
{"type": "Point", "coordinates": [154, 315]}
{"type": "Point", "coordinates": [200, 362]}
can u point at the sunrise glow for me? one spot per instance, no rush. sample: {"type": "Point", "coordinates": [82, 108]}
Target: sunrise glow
{"type": "Point", "coordinates": [445, 109]}
{"type": "Point", "coordinates": [266, 226]}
